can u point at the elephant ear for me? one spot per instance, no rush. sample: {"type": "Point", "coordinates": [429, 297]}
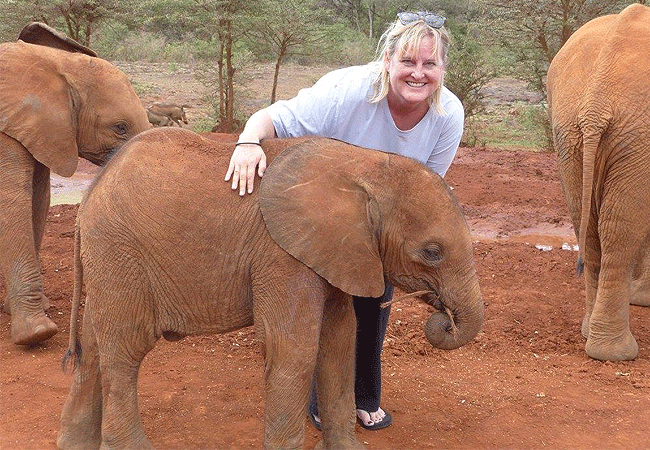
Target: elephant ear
{"type": "Point", "coordinates": [37, 107]}
{"type": "Point", "coordinates": [40, 34]}
{"type": "Point", "coordinates": [317, 210]}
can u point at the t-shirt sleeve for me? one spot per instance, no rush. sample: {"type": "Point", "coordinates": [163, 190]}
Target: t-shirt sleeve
{"type": "Point", "coordinates": [312, 112]}
{"type": "Point", "coordinates": [445, 149]}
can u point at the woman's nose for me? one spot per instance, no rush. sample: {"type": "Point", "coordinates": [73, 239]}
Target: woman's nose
{"type": "Point", "coordinates": [417, 72]}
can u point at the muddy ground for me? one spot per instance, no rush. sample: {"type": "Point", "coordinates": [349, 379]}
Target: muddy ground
{"type": "Point", "coordinates": [524, 383]}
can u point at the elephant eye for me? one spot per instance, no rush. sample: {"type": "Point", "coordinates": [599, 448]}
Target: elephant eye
{"type": "Point", "coordinates": [121, 128]}
{"type": "Point", "coordinates": [432, 253]}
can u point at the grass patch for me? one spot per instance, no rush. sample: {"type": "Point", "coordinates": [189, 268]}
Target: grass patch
{"type": "Point", "coordinates": [519, 126]}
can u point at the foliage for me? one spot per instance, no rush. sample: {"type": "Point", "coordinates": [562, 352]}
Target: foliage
{"type": "Point", "coordinates": [301, 31]}
{"type": "Point", "coordinates": [79, 19]}
{"type": "Point", "coordinates": [532, 31]}
{"type": "Point", "coordinates": [468, 70]}
{"type": "Point", "coordinates": [506, 37]}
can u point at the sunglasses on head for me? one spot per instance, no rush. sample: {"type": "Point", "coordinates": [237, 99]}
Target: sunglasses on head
{"type": "Point", "coordinates": [433, 20]}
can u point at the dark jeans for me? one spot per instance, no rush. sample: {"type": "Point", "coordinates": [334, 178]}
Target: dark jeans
{"type": "Point", "coordinates": [372, 321]}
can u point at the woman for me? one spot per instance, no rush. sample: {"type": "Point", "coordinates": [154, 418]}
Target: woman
{"type": "Point", "coordinates": [396, 104]}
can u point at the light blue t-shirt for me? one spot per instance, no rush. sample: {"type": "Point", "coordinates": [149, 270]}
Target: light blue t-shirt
{"type": "Point", "coordinates": [337, 107]}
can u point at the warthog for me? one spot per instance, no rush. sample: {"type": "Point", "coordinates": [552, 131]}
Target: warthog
{"type": "Point", "coordinates": [159, 120]}
{"type": "Point", "coordinates": [174, 112]}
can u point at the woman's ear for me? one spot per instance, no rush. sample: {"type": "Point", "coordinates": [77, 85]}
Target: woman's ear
{"type": "Point", "coordinates": [315, 208]}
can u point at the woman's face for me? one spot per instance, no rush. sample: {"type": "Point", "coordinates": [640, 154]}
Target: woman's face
{"type": "Point", "coordinates": [415, 75]}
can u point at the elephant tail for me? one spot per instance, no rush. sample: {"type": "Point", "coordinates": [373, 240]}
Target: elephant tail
{"type": "Point", "coordinates": [590, 142]}
{"type": "Point", "coordinates": [74, 346]}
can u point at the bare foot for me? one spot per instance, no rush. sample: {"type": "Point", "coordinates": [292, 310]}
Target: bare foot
{"type": "Point", "coordinates": [374, 420]}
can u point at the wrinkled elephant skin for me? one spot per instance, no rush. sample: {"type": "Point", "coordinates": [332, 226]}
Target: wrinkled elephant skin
{"type": "Point", "coordinates": [57, 102]}
{"type": "Point", "coordinates": [599, 102]}
{"type": "Point", "coordinates": [188, 255]}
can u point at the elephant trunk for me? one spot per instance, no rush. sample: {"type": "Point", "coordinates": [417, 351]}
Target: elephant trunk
{"type": "Point", "coordinates": [461, 319]}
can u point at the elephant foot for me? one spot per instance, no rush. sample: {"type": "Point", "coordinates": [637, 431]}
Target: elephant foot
{"type": "Point", "coordinates": [356, 445]}
{"type": "Point", "coordinates": [624, 348]}
{"type": "Point", "coordinates": [66, 442]}
{"type": "Point", "coordinates": [585, 327]}
{"type": "Point", "coordinates": [32, 330]}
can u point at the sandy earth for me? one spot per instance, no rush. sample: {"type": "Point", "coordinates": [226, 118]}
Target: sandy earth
{"type": "Point", "coordinates": [524, 383]}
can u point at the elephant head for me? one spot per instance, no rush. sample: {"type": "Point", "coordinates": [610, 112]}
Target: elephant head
{"type": "Point", "coordinates": [60, 101]}
{"type": "Point", "coordinates": [356, 227]}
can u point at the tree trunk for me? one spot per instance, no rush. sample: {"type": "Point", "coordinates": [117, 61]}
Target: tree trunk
{"type": "Point", "coordinates": [276, 75]}
{"type": "Point", "coordinates": [230, 75]}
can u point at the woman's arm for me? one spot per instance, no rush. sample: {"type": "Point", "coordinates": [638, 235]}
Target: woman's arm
{"type": "Point", "coordinates": [248, 154]}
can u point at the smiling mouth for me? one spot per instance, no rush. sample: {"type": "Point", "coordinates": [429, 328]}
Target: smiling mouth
{"type": "Point", "coordinates": [415, 84]}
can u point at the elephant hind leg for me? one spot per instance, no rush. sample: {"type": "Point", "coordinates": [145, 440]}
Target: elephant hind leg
{"type": "Point", "coordinates": [640, 289]}
{"type": "Point", "coordinates": [81, 419]}
{"type": "Point", "coordinates": [610, 338]}
{"type": "Point", "coordinates": [123, 345]}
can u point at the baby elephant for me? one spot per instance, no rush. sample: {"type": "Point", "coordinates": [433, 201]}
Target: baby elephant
{"type": "Point", "coordinates": [174, 112]}
{"type": "Point", "coordinates": [186, 255]}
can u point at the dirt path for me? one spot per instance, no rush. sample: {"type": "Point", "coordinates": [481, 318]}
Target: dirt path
{"type": "Point", "coordinates": [525, 383]}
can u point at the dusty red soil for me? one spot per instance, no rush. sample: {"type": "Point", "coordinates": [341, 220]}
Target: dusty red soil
{"type": "Point", "coordinates": [524, 383]}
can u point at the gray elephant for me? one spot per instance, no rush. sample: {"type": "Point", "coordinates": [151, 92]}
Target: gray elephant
{"type": "Point", "coordinates": [57, 103]}
{"type": "Point", "coordinates": [187, 255]}
{"type": "Point", "coordinates": [174, 112]}
{"type": "Point", "coordinates": [599, 102]}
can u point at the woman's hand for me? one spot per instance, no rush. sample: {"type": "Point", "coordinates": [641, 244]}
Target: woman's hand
{"type": "Point", "coordinates": [243, 162]}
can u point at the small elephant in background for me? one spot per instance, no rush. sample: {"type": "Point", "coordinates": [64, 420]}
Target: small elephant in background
{"type": "Point", "coordinates": [58, 101]}
{"type": "Point", "coordinates": [599, 104]}
{"type": "Point", "coordinates": [159, 120]}
{"type": "Point", "coordinates": [174, 112]}
{"type": "Point", "coordinates": [188, 256]}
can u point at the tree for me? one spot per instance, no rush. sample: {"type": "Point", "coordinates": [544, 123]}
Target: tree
{"type": "Point", "coordinates": [469, 70]}
{"type": "Point", "coordinates": [533, 31]}
{"type": "Point", "coordinates": [300, 30]}
{"type": "Point", "coordinates": [222, 18]}
{"type": "Point", "coordinates": [79, 19]}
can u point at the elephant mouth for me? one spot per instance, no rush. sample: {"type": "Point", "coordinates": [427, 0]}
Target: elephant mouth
{"type": "Point", "coordinates": [100, 159]}
{"type": "Point", "coordinates": [429, 296]}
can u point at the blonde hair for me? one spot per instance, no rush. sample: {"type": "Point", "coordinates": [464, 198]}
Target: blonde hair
{"type": "Point", "coordinates": [400, 39]}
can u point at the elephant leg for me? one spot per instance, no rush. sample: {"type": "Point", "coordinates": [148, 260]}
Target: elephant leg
{"type": "Point", "coordinates": [288, 314]}
{"type": "Point", "coordinates": [335, 373]}
{"type": "Point", "coordinates": [591, 287]}
{"type": "Point", "coordinates": [40, 207]}
{"type": "Point", "coordinates": [610, 338]}
{"type": "Point", "coordinates": [640, 294]}
{"type": "Point", "coordinates": [18, 256]}
{"type": "Point", "coordinates": [81, 419]}
{"type": "Point", "coordinates": [122, 347]}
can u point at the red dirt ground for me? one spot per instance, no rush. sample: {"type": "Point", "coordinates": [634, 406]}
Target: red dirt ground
{"type": "Point", "coordinates": [524, 383]}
